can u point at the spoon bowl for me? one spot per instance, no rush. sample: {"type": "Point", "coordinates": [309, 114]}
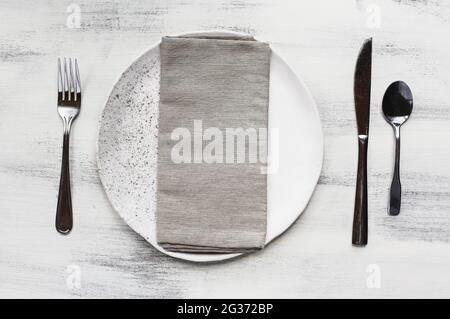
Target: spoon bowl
{"type": "Point", "coordinates": [397, 103]}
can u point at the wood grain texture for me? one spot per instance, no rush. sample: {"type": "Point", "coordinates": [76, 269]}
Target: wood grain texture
{"type": "Point", "coordinates": [320, 40]}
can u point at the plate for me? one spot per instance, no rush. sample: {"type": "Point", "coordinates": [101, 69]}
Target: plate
{"type": "Point", "coordinates": [128, 142]}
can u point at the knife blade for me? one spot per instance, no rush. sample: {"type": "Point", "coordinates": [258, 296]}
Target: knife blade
{"type": "Point", "coordinates": [361, 91]}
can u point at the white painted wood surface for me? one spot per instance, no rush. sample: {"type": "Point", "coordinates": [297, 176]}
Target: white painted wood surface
{"type": "Point", "coordinates": [409, 254]}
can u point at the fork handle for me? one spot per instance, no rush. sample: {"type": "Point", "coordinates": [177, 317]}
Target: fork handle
{"type": "Point", "coordinates": [64, 220]}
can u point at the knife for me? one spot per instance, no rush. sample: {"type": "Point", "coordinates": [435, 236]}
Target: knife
{"type": "Point", "coordinates": [361, 91]}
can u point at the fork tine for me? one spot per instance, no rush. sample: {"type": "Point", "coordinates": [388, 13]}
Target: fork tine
{"type": "Point", "coordinates": [77, 76]}
{"type": "Point", "coordinates": [72, 80]}
{"type": "Point", "coordinates": [70, 77]}
{"type": "Point", "coordinates": [60, 80]}
{"type": "Point", "coordinates": [66, 81]}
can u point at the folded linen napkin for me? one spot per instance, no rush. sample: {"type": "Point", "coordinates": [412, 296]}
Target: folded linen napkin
{"type": "Point", "coordinates": [208, 200]}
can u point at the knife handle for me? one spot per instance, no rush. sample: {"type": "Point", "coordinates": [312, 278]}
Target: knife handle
{"type": "Point", "coordinates": [360, 219]}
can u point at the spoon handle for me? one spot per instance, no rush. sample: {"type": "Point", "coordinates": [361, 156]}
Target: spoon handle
{"type": "Point", "coordinates": [360, 223]}
{"type": "Point", "coordinates": [396, 186]}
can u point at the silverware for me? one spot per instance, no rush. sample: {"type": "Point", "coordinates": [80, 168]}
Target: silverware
{"type": "Point", "coordinates": [397, 107]}
{"type": "Point", "coordinates": [361, 91]}
{"type": "Point", "coordinates": [69, 103]}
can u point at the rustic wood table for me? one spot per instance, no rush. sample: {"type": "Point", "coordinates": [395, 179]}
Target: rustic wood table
{"type": "Point", "coordinates": [407, 256]}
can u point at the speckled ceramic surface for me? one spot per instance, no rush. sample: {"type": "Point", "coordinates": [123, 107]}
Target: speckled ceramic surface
{"type": "Point", "coordinates": [128, 140]}
{"type": "Point", "coordinates": [127, 144]}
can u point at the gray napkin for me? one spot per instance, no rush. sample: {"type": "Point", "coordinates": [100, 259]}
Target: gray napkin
{"type": "Point", "coordinates": [216, 82]}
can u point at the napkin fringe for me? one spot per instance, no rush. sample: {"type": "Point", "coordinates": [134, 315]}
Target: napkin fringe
{"type": "Point", "coordinates": [206, 249]}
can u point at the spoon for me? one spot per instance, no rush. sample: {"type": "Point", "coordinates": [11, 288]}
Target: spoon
{"type": "Point", "coordinates": [397, 107]}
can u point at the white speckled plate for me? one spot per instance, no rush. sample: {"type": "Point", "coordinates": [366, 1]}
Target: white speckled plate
{"type": "Point", "coordinates": [128, 141]}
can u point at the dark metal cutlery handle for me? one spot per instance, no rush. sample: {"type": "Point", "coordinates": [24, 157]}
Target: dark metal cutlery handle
{"type": "Point", "coordinates": [360, 218]}
{"type": "Point", "coordinates": [396, 186]}
{"type": "Point", "coordinates": [64, 220]}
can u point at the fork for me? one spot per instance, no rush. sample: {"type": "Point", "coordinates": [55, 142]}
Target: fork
{"type": "Point", "coordinates": [69, 104]}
